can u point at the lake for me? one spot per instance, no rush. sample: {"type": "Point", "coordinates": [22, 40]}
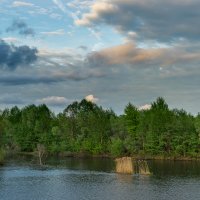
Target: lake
{"type": "Point", "coordinates": [90, 179]}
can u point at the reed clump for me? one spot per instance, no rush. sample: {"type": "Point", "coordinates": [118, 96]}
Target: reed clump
{"type": "Point", "coordinates": [143, 167]}
{"type": "Point", "coordinates": [124, 165]}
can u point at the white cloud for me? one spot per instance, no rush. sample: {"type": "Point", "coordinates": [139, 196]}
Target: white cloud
{"type": "Point", "coordinates": [21, 4]}
{"type": "Point", "coordinates": [10, 39]}
{"type": "Point", "coordinates": [60, 5]}
{"type": "Point", "coordinates": [75, 14]}
{"type": "Point", "coordinates": [53, 100]}
{"type": "Point", "coordinates": [91, 98]}
{"type": "Point", "coordinates": [98, 46]}
{"type": "Point", "coordinates": [97, 9]}
{"type": "Point", "coordinates": [80, 4]}
{"type": "Point", "coordinates": [64, 9]}
{"type": "Point", "coordinates": [55, 16]}
{"type": "Point", "coordinates": [145, 107]}
{"type": "Point", "coordinates": [54, 33]}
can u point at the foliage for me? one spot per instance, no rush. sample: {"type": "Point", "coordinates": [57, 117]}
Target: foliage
{"type": "Point", "coordinates": [117, 147]}
{"type": "Point", "coordinates": [88, 128]}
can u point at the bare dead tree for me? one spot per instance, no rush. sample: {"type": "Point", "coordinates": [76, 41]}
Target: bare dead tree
{"type": "Point", "coordinates": [41, 152]}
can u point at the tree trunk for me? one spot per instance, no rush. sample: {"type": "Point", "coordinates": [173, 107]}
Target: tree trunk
{"type": "Point", "coordinates": [41, 152]}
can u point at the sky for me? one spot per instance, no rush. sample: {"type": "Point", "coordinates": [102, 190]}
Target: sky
{"type": "Point", "coordinates": [110, 52]}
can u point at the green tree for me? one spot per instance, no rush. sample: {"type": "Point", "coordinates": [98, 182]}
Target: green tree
{"type": "Point", "coordinates": [132, 119]}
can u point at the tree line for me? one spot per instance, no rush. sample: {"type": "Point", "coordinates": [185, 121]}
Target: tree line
{"type": "Point", "coordinates": [85, 127]}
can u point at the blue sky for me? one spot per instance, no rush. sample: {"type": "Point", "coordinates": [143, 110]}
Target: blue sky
{"type": "Point", "coordinates": [112, 51]}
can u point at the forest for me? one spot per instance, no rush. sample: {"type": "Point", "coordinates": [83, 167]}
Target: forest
{"type": "Point", "coordinates": [85, 127]}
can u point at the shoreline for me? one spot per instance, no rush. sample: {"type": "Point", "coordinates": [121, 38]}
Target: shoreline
{"type": "Point", "coordinates": [135, 157]}
{"type": "Point", "coordinates": [2, 157]}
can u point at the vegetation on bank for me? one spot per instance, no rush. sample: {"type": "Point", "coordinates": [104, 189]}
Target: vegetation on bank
{"type": "Point", "coordinates": [2, 155]}
{"type": "Point", "coordinates": [84, 127]}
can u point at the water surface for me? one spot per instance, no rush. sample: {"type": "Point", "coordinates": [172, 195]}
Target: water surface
{"type": "Point", "coordinates": [91, 179]}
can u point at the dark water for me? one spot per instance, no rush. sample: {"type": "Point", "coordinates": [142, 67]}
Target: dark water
{"type": "Point", "coordinates": [91, 179]}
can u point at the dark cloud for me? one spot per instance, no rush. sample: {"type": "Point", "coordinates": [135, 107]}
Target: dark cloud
{"type": "Point", "coordinates": [165, 20]}
{"type": "Point", "coordinates": [21, 28]}
{"type": "Point", "coordinates": [47, 79]}
{"type": "Point", "coordinates": [84, 48]}
{"type": "Point", "coordinates": [25, 80]}
{"type": "Point", "coordinates": [12, 56]}
{"type": "Point", "coordinates": [128, 54]}
{"type": "Point", "coordinates": [12, 100]}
